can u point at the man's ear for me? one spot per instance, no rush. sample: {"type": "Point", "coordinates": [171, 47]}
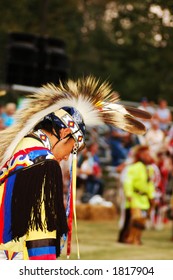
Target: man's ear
{"type": "Point", "coordinates": [64, 132]}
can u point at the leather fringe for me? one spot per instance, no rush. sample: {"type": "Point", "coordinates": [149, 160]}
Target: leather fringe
{"type": "Point", "coordinates": [35, 186]}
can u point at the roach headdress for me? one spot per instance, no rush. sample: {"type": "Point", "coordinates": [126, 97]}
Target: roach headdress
{"type": "Point", "coordinates": [76, 104]}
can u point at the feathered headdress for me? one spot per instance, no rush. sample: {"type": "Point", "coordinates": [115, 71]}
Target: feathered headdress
{"type": "Point", "coordinates": [96, 102]}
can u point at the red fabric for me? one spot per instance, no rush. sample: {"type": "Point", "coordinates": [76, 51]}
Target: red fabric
{"type": "Point", "coordinates": [2, 216]}
{"type": "Point", "coordinates": [70, 223]}
{"type": "Point", "coordinates": [44, 257]}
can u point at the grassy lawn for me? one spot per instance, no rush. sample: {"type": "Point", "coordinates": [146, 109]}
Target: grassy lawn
{"type": "Point", "coordinates": [97, 241]}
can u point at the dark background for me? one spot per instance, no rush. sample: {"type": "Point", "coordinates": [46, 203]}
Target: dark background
{"type": "Point", "coordinates": [129, 43]}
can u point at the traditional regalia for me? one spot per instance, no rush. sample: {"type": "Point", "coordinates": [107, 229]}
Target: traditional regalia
{"type": "Point", "coordinates": [33, 218]}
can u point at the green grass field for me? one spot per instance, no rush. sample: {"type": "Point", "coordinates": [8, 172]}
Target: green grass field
{"type": "Point", "coordinates": [97, 241]}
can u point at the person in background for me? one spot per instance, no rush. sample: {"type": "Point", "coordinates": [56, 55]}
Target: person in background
{"type": "Point", "coordinates": [139, 195]}
{"type": "Point", "coordinates": [144, 105]}
{"type": "Point", "coordinates": [118, 146]}
{"type": "Point", "coordinates": [169, 140]}
{"type": "Point", "coordinates": [8, 114]}
{"type": "Point", "coordinates": [94, 183]}
{"type": "Point", "coordinates": [151, 107]}
{"type": "Point", "coordinates": [170, 133]}
{"type": "Point", "coordinates": [90, 173]}
{"type": "Point", "coordinates": [83, 169]}
{"type": "Point", "coordinates": [163, 115]}
{"type": "Point", "coordinates": [155, 137]}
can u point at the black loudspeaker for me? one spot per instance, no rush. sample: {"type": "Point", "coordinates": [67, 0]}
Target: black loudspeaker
{"type": "Point", "coordinates": [54, 62]}
{"type": "Point", "coordinates": [33, 60]}
{"type": "Point", "coordinates": [22, 59]}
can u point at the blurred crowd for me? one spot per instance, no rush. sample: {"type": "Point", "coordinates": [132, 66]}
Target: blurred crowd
{"type": "Point", "coordinates": [140, 167]}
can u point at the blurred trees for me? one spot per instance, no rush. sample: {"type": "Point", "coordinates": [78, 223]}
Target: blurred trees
{"type": "Point", "coordinates": [127, 42]}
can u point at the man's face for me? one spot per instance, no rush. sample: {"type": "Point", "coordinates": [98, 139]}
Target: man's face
{"type": "Point", "coordinates": [64, 147]}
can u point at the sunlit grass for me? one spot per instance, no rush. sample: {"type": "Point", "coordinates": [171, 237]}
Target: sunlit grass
{"type": "Point", "coordinates": [98, 241]}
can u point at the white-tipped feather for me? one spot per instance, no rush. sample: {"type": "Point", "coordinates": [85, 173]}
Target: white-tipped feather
{"type": "Point", "coordinates": [117, 107]}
